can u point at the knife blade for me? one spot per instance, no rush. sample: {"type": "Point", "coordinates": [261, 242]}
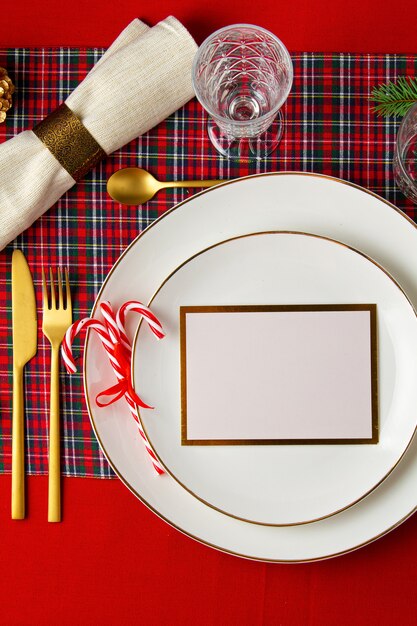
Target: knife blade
{"type": "Point", "coordinates": [24, 323]}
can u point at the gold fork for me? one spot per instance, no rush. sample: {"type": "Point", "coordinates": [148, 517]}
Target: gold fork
{"type": "Point", "coordinates": [57, 318]}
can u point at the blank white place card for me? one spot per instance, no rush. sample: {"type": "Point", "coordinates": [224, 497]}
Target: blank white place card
{"type": "Point", "coordinates": [279, 374]}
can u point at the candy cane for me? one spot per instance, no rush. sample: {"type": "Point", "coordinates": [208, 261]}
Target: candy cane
{"type": "Point", "coordinates": [108, 345]}
{"type": "Point", "coordinates": [120, 356]}
{"type": "Point", "coordinates": [73, 331]}
{"type": "Point", "coordinates": [133, 305]}
{"type": "Point", "coordinates": [110, 320]}
{"type": "Point", "coordinates": [117, 345]}
{"type": "Point", "coordinates": [115, 325]}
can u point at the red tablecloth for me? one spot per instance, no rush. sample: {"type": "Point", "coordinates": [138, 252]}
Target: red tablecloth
{"type": "Point", "coordinates": [112, 561]}
{"type": "Point", "coordinates": [311, 25]}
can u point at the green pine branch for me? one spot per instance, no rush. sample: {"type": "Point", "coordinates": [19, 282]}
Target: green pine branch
{"type": "Point", "coordinates": [395, 98]}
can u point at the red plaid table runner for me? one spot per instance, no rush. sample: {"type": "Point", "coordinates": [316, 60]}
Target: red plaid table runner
{"type": "Point", "coordinates": [330, 129]}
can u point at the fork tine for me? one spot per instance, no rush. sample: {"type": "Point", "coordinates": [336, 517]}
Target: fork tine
{"type": "Point", "coordinates": [68, 291]}
{"type": "Point", "coordinates": [51, 276]}
{"type": "Point", "coordinates": [44, 290]}
{"type": "Point", "coordinates": [60, 297]}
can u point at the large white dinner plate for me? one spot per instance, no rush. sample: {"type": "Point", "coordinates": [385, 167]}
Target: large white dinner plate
{"type": "Point", "coordinates": [288, 484]}
{"type": "Point", "coordinates": [281, 201]}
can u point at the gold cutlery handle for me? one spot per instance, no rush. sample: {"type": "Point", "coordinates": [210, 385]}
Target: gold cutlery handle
{"type": "Point", "coordinates": [191, 183]}
{"type": "Point", "coordinates": [54, 478]}
{"type": "Point", "coordinates": [18, 446]}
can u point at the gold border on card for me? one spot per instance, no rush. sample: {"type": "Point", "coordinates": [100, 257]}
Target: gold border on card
{"type": "Point", "coordinates": [140, 497]}
{"type": "Point", "coordinates": [185, 310]}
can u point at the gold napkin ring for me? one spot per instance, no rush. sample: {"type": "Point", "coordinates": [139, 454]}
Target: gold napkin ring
{"type": "Point", "coordinates": [70, 142]}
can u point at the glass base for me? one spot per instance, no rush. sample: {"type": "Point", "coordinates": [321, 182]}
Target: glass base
{"type": "Point", "coordinates": [247, 149]}
{"type": "Point", "coordinates": [405, 180]}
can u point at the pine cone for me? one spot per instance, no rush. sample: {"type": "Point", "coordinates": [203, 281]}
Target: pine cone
{"type": "Point", "coordinates": [6, 92]}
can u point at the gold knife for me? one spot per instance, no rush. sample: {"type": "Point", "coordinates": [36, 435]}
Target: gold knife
{"type": "Point", "coordinates": [24, 348]}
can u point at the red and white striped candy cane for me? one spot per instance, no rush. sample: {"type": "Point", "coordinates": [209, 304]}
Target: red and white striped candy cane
{"type": "Point", "coordinates": [133, 305]}
{"type": "Point", "coordinates": [73, 331]}
{"type": "Point", "coordinates": [110, 321]}
{"type": "Point", "coordinates": [119, 352]}
{"type": "Point", "coordinates": [116, 327]}
{"type": "Point", "coordinates": [100, 328]}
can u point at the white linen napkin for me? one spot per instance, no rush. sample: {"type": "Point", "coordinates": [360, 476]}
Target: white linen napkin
{"type": "Point", "coordinates": [152, 66]}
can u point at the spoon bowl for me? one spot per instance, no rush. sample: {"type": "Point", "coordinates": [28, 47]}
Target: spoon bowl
{"type": "Point", "coordinates": [134, 185]}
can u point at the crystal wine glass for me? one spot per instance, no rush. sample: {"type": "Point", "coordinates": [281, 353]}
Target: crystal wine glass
{"type": "Point", "coordinates": [242, 75]}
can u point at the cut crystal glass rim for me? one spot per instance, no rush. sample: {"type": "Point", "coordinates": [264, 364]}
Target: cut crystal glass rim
{"type": "Point", "coordinates": [208, 41]}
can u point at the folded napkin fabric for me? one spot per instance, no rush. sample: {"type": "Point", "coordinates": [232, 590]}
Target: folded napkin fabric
{"type": "Point", "coordinates": [152, 67]}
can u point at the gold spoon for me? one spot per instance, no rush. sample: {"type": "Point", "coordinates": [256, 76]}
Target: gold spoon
{"type": "Point", "coordinates": [133, 185]}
